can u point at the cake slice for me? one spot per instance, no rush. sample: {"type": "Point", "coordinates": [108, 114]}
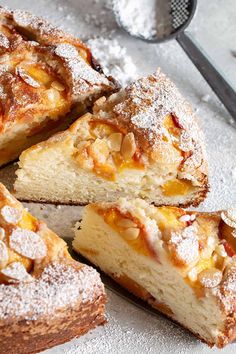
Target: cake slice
{"type": "Point", "coordinates": [45, 74]}
{"type": "Point", "coordinates": [46, 298]}
{"type": "Point", "coordinates": [182, 263]}
{"type": "Point", "coordinates": [143, 141]}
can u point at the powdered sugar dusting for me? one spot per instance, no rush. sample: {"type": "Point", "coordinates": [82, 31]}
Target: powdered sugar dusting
{"type": "Point", "coordinates": [4, 41]}
{"type": "Point", "coordinates": [66, 50]}
{"type": "Point", "coordinates": [186, 244]}
{"type": "Point", "coordinates": [59, 286]}
{"type": "Point", "coordinates": [28, 244]}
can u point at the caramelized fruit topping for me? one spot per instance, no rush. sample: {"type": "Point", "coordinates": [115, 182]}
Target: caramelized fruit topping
{"type": "Point", "coordinates": [176, 187]}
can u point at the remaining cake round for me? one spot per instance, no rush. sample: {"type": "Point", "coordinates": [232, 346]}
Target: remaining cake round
{"type": "Point", "coordinates": [46, 298]}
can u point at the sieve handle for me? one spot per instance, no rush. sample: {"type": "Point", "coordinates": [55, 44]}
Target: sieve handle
{"type": "Point", "coordinates": [223, 89]}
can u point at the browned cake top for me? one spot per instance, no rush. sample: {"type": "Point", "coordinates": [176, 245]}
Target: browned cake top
{"type": "Point", "coordinates": [40, 63]}
{"type": "Point", "coordinates": [37, 275]}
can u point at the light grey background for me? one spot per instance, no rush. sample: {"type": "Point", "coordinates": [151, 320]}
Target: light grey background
{"type": "Point", "coordinates": [131, 330]}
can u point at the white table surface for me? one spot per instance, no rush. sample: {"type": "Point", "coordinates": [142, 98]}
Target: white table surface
{"type": "Point", "coordinates": [131, 330]}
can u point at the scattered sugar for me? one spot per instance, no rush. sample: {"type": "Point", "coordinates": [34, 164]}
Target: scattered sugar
{"type": "Point", "coordinates": [133, 331]}
{"type": "Point", "coordinates": [206, 98]}
{"type": "Point", "coordinates": [114, 59]}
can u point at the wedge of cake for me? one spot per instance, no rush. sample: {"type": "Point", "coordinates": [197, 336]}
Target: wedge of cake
{"type": "Point", "coordinates": [46, 298]}
{"type": "Point", "coordinates": [182, 263]}
{"type": "Point", "coordinates": [142, 142]}
{"type": "Point", "coordinates": [45, 73]}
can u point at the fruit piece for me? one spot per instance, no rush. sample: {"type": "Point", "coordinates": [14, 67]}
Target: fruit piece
{"type": "Point", "coordinates": [99, 151]}
{"type": "Point", "coordinates": [228, 239]}
{"type": "Point", "coordinates": [124, 222]}
{"type": "Point", "coordinates": [38, 74]}
{"type": "Point", "coordinates": [170, 125]}
{"type": "Point", "coordinates": [28, 222]}
{"type": "Point", "coordinates": [131, 233]}
{"type": "Point", "coordinates": [169, 218]}
{"type": "Point", "coordinates": [176, 187]}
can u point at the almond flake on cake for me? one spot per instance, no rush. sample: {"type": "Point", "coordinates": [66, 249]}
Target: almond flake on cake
{"type": "Point", "coordinates": [16, 271]}
{"type": "Point", "coordinates": [28, 244]}
{"type": "Point", "coordinates": [11, 214]}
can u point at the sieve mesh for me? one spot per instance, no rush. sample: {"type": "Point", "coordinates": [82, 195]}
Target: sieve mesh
{"type": "Point", "coordinates": [180, 12]}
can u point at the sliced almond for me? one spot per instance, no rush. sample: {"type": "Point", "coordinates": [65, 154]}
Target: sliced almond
{"type": "Point", "coordinates": [11, 215]}
{"type": "Point", "coordinates": [131, 233]}
{"type": "Point", "coordinates": [210, 278]}
{"type": "Point", "coordinates": [114, 141]}
{"type": "Point", "coordinates": [98, 104]}
{"type": "Point", "coordinates": [126, 223]}
{"type": "Point", "coordinates": [229, 217]}
{"type": "Point", "coordinates": [58, 86]}
{"type": "Point", "coordinates": [3, 254]}
{"type": "Point", "coordinates": [29, 80]}
{"type": "Point", "coordinates": [28, 244]}
{"type": "Point", "coordinates": [17, 272]}
{"type": "Point", "coordinates": [2, 234]}
{"type": "Point", "coordinates": [100, 101]}
{"type": "Point", "coordinates": [220, 250]}
{"type": "Point", "coordinates": [128, 146]}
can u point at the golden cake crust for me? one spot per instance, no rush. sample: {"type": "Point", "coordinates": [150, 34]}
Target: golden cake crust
{"type": "Point", "coordinates": [45, 74]}
{"type": "Point", "coordinates": [46, 298]}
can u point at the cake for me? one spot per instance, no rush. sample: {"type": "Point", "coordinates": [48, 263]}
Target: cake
{"type": "Point", "coordinates": [46, 298]}
{"type": "Point", "coordinates": [183, 263]}
{"type": "Point", "coordinates": [143, 141]}
{"type": "Point", "coordinates": [47, 79]}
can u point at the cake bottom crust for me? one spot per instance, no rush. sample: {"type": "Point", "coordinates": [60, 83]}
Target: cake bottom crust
{"type": "Point", "coordinates": [86, 317]}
